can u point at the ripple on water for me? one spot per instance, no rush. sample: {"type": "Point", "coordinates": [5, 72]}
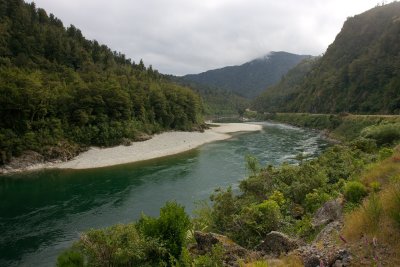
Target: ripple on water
{"type": "Point", "coordinates": [42, 213]}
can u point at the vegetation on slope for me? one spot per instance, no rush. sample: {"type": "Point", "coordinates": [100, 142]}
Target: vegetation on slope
{"type": "Point", "coordinates": [251, 78]}
{"type": "Point", "coordinates": [361, 170]}
{"type": "Point", "coordinates": [60, 92]}
{"type": "Point", "coordinates": [359, 73]}
{"type": "Point", "coordinates": [278, 97]}
{"type": "Point", "coordinates": [216, 102]}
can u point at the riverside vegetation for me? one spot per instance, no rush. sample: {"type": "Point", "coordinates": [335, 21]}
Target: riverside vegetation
{"type": "Point", "coordinates": [363, 170]}
{"type": "Point", "coordinates": [61, 92]}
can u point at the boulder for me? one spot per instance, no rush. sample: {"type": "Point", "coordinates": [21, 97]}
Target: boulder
{"type": "Point", "coordinates": [232, 251]}
{"type": "Point", "coordinates": [329, 212]}
{"type": "Point", "coordinates": [277, 243]}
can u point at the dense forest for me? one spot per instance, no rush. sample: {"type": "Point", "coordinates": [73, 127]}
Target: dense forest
{"type": "Point", "coordinates": [216, 101]}
{"type": "Point", "coordinates": [359, 73]}
{"type": "Point", "coordinates": [60, 92]}
{"type": "Point", "coordinates": [251, 78]}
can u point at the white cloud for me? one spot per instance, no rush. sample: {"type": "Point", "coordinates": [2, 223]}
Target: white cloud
{"type": "Point", "coordinates": [190, 36]}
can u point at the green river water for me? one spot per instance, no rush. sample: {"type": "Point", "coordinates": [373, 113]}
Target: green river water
{"type": "Point", "coordinates": [43, 212]}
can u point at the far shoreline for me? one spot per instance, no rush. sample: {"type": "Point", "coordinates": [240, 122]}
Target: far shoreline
{"type": "Point", "coordinates": [159, 146]}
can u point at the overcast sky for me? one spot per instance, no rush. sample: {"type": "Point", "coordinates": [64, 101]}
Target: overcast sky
{"type": "Point", "coordinates": [191, 36]}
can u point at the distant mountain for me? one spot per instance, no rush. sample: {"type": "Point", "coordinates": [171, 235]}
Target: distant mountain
{"type": "Point", "coordinates": [251, 78]}
{"type": "Point", "coordinates": [278, 97]}
{"type": "Point", "coordinates": [359, 73]}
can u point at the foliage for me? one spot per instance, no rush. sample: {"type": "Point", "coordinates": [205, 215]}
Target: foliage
{"type": "Point", "coordinates": [170, 228]}
{"type": "Point", "coordinates": [70, 258]}
{"type": "Point", "coordinates": [119, 245]}
{"type": "Point", "coordinates": [148, 242]}
{"type": "Point", "coordinates": [354, 191]}
{"type": "Point", "coordinates": [358, 68]}
{"type": "Point", "coordinates": [212, 259]}
{"type": "Point", "coordinates": [252, 165]}
{"type": "Point", "coordinates": [58, 87]}
{"type": "Point", "coordinates": [385, 134]}
{"type": "Point", "coordinates": [251, 78]}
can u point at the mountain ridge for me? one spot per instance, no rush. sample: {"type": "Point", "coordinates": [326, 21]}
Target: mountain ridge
{"type": "Point", "coordinates": [359, 73]}
{"type": "Point", "coordinates": [250, 78]}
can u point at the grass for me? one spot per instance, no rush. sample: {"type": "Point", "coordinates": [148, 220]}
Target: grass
{"type": "Point", "coordinates": [373, 228]}
{"type": "Point", "coordinates": [284, 261]}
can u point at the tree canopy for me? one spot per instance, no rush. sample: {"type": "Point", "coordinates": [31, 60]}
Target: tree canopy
{"type": "Point", "coordinates": [60, 90]}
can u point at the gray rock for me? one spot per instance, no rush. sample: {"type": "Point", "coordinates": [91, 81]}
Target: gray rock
{"type": "Point", "coordinates": [329, 212]}
{"type": "Point", "coordinates": [232, 251]}
{"type": "Point", "coordinates": [277, 243]}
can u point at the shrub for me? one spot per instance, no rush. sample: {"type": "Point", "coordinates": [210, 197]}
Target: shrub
{"type": "Point", "coordinates": [70, 258]}
{"type": "Point", "coordinates": [385, 153]}
{"type": "Point", "coordinates": [364, 144]}
{"type": "Point", "coordinates": [315, 200]}
{"type": "Point", "coordinates": [119, 245]}
{"type": "Point", "coordinates": [255, 221]}
{"type": "Point", "coordinates": [384, 134]}
{"type": "Point", "coordinates": [171, 227]}
{"type": "Point", "coordinates": [354, 191]}
{"type": "Point", "coordinates": [212, 259]}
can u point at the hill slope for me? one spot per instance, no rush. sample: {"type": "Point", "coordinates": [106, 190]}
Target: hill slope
{"type": "Point", "coordinates": [60, 91]}
{"type": "Point", "coordinates": [360, 71]}
{"type": "Point", "coordinates": [250, 78]}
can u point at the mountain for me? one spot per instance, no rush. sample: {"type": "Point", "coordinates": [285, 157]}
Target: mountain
{"type": "Point", "coordinates": [251, 78]}
{"type": "Point", "coordinates": [278, 97]}
{"type": "Point", "coordinates": [359, 73]}
{"type": "Point", "coordinates": [60, 92]}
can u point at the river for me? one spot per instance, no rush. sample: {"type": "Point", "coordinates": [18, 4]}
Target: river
{"type": "Point", "coordinates": [43, 212]}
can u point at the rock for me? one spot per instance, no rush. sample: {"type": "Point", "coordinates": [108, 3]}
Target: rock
{"type": "Point", "coordinates": [277, 243]}
{"type": "Point", "coordinates": [312, 261]}
{"type": "Point", "coordinates": [232, 251]}
{"type": "Point", "coordinates": [329, 212]}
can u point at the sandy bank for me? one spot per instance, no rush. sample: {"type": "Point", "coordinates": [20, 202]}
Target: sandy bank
{"type": "Point", "coordinates": [160, 145]}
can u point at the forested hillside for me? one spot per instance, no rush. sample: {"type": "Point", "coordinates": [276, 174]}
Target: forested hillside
{"type": "Point", "coordinates": [359, 73]}
{"type": "Point", "coordinates": [279, 96]}
{"type": "Point", "coordinates": [60, 92]}
{"type": "Point", "coordinates": [251, 78]}
{"type": "Point", "coordinates": [216, 101]}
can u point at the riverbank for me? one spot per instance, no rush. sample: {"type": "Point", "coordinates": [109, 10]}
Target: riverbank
{"type": "Point", "coordinates": [160, 145]}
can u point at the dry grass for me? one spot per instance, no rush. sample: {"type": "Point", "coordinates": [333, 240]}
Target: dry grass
{"type": "Point", "coordinates": [373, 229]}
{"type": "Point", "coordinates": [284, 261]}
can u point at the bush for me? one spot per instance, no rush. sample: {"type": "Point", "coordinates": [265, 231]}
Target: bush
{"type": "Point", "coordinates": [170, 228]}
{"type": "Point", "coordinates": [385, 134]}
{"type": "Point", "coordinates": [354, 191]}
{"type": "Point", "coordinates": [364, 144]}
{"type": "Point", "coordinates": [119, 245]}
{"type": "Point", "coordinates": [211, 259]}
{"type": "Point", "coordinates": [385, 153]}
{"type": "Point", "coordinates": [70, 258]}
{"type": "Point", "coordinates": [315, 200]}
{"type": "Point", "coordinates": [255, 221]}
